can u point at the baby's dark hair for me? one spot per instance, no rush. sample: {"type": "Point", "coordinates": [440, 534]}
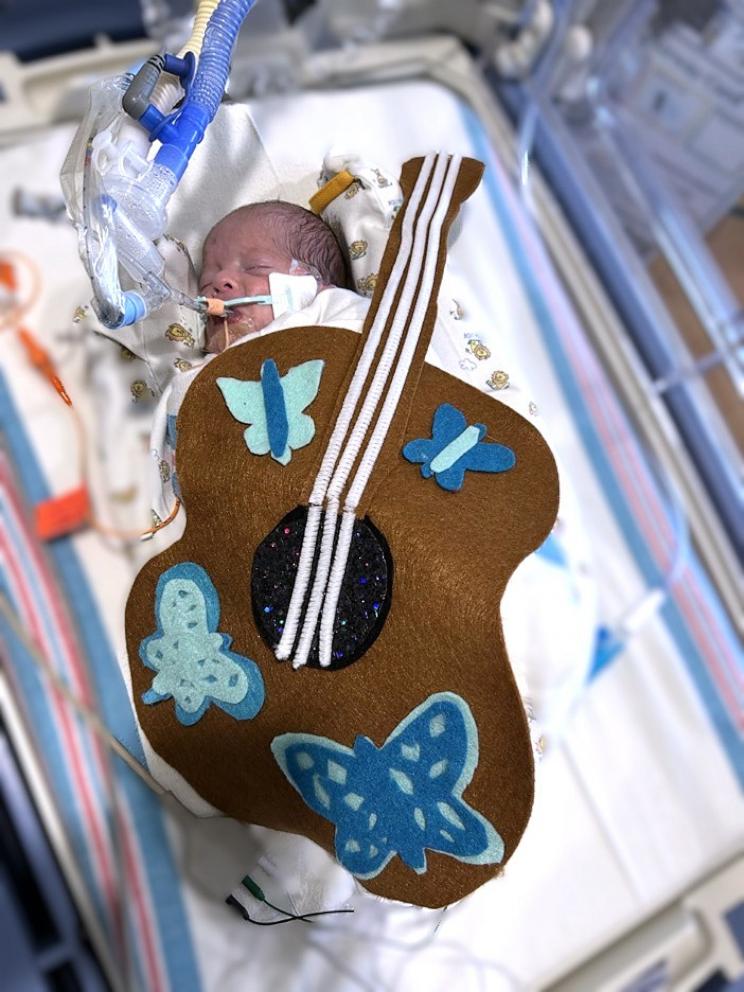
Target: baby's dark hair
{"type": "Point", "coordinates": [304, 236]}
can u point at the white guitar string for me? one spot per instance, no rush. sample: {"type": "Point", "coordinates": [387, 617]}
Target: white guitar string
{"type": "Point", "coordinates": [385, 418]}
{"type": "Point", "coordinates": [392, 345]}
{"type": "Point", "coordinates": [371, 402]}
{"type": "Point", "coordinates": [302, 579]}
{"type": "Point", "coordinates": [321, 579]}
{"type": "Point", "coordinates": [345, 415]}
{"type": "Point", "coordinates": [403, 366]}
{"type": "Point", "coordinates": [333, 591]}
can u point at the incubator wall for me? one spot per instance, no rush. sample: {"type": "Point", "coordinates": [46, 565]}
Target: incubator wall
{"type": "Point", "coordinates": [602, 256]}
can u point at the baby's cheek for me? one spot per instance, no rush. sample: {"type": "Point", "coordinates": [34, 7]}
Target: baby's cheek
{"type": "Point", "coordinates": [262, 316]}
{"type": "Point", "coordinates": [256, 285]}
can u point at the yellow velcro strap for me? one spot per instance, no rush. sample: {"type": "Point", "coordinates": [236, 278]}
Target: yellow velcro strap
{"type": "Point", "coordinates": [333, 188]}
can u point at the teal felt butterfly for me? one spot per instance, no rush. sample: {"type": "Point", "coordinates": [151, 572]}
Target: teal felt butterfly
{"type": "Point", "coordinates": [403, 797]}
{"type": "Point", "coordinates": [274, 407]}
{"type": "Point", "coordinates": [455, 448]}
{"type": "Point", "coordinates": [192, 659]}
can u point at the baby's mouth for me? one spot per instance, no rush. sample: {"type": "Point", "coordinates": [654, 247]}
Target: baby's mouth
{"type": "Point", "coordinates": [233, 318]}
{"type": "Point", "coordinates": [237, 316]}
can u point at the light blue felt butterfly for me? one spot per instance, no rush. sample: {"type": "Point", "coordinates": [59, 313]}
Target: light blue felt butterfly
{"type": "Point", "coordinates": [400, 798]}
{"type": "Point", "coordinates": [191, 657]}
{"type": "Point", "coordinates": [273, 406]}
{"type": "Point", "coordinates": [455, 448]}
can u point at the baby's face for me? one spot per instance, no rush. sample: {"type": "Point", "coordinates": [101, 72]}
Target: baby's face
{"type": "Point", "coordinates": [238, 256]}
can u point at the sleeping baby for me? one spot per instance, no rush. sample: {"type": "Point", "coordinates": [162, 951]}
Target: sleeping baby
{"type": "Point", "coordinates": [251, 244]}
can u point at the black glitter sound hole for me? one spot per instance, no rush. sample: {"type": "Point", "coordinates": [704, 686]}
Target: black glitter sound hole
{"type": "Point", "coordinates": [365, 594]}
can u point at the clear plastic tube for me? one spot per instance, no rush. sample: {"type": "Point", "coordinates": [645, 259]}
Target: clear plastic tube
{"type": "Point", "coordinates": [540, 90]}
{"type": "Point", "coordinates": [89, 208]}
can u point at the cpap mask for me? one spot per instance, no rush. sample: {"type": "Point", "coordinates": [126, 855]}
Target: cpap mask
{"type": "Point", "coordinates": [288, 294]}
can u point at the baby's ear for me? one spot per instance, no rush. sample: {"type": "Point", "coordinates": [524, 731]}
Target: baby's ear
{"type": "Point", "coordinates": [298, 268]}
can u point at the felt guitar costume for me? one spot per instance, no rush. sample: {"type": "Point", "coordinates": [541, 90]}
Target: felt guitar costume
{"type": "Point", "coordinates": [321, 652]}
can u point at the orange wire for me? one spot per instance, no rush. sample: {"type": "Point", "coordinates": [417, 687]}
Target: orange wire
{"type": "Point", "coordinates": [13, 316]}
{"type": "Point", "coordinates": [42, 361]}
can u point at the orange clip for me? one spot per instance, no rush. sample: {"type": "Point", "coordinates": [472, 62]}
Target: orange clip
{"type": "Point", "coordinates": [62, 515]}
{"type": "Point", "coordinates": [41, 360]}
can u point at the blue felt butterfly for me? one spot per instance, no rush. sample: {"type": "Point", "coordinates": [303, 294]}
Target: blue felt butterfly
{"type": "Point", "coordinates": [400, 798]}
{"type": "Point", "coordinates": [273, 406]}
{"type": "Point", "coordinates": [455, 448]}
{"type": "Point", "coordinates": [191, 658]}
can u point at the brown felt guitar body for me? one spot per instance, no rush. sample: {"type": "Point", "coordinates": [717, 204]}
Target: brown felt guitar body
{"type": "Point", "coordinates": [452, 554]}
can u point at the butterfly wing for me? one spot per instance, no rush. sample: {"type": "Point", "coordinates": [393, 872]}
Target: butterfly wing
{"type": "Point", "coordinates": [431, 757]}
{"type": "Point", "coordinates": [421, 450]}
{"type": "Point", "coordinates": [489, 456]}
{"type": "Point", "coordinates": [453, 477]}
{"type": "Point", "coordinates": [300, 386]}
{"type": "Point", "coordinates": [448, 423]}
{"type": "Point", "coordinates": [180, 601]}
{"type": "Point", "coordinates": [326, 775]}
{"type": "Point", "coordinates": [317, 767]}
{"type": "Point", "coordinates": [455, 828]}
{"type": "Point", "coordinates": [360, 852]}
{"type": "Point", "coordinates": [245, 402]}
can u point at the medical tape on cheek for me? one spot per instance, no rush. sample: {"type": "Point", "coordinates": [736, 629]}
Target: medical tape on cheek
{"type": "Point", "coordinates": [290, 293]}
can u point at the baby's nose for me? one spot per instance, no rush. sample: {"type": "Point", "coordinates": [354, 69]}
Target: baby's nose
{"type": "Point", "coordinates": [225, 284]}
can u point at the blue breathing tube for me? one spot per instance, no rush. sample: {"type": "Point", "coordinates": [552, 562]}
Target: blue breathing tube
{"type": "Point", "coordinates": [182, 132]}
{"type": "Point", "coordinates": [207, 87]}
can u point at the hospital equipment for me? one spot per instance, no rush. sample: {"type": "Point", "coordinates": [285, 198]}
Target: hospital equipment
{"type": "Point", "coordinates": [648, 783]}
{"type": "Point", "coordinates": [116, 197]}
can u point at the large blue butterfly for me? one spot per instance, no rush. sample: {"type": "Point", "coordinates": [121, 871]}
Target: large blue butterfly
{"type": "Point", "coordinates": [454, 448]}
{"type": "Point", "coordinates": [400, 798]}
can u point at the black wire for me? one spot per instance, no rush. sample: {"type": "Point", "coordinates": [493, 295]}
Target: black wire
{"type": "Point", "coordinates": [289, 917]}
{"type": "Point", "coordinates": [306, 916]}
{"type": "Point", "coordinates": [232, 901]}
